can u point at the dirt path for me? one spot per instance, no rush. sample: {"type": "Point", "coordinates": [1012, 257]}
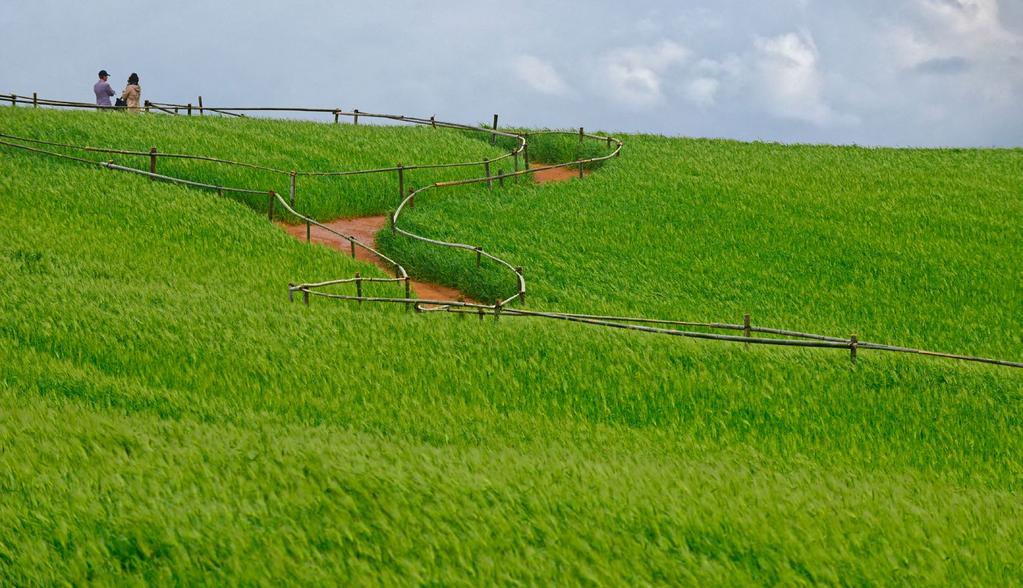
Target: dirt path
{"type": "Point", "coordinates": [558, 174]}
{"type": "Point", "coordinates": [365, 229]}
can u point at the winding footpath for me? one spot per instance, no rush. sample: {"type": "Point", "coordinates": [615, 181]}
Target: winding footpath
{"type": "Point", "coordinates": [365, 229]}
{"type": "Point", "coordinates": [359, 234]}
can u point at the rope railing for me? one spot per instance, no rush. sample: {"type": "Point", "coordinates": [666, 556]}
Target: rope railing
{"type": "Point", "coordinates": [230, 162]}
{"type": "Point", "coordinates": [521, 292]}
{"type": "Point", "coordinates": [35, 101]}
{"type": "Point", "coordinates": [780, 337]}
{"type": "Point", "coordinates": [355, 114]}
{"type": "Point", "coordinates": [402, 275]}
{"type": "Point", "coordinates": [220, 189]}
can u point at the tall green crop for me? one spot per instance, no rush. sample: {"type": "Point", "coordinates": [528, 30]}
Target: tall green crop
{"type": "Point", "coordinates": [168, 416]}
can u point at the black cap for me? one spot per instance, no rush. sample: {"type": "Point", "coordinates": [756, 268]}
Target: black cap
{"type": "Point", "coordinates": [103, 73]}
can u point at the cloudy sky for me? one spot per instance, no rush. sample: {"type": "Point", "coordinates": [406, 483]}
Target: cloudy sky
{"type": "Point", "coordinates": [873, 72]}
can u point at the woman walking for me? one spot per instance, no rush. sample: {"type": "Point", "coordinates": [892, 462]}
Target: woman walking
{"type": "Point", "coordinates": [132, 93]}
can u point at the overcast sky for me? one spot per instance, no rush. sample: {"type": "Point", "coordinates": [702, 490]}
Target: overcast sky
{"type": "Point", "coordinates": [873, 72]}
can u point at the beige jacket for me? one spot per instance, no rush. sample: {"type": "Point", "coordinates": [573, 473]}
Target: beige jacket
{"type": "Point", "coordinates": [131, 94]}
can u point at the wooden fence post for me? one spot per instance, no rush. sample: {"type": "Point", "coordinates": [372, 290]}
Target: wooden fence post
{"type": "Point", "coordinates": [500, 177]}
{"type": "Point", "coordinates": [486, 170]}
{"type": "Point", "coordinates": [525, 153]}
{"type": "Point", "coordinates": [411, 197]}
{"type": "Point", "coordinates": [270, 206]}
{"type": "Point", "coordinates": [408, 293]}
{"type": "Point", "coordinates": [201, 111]}
{"type": "Point", "coordinates": [336, 115]}
{"type": "Point", "coordinates": [493, 136]}
{"type": "Point", "coordinates": [356, 116]}
{"type": "Point", "coordinates": [433, 121]}
{"type": "Point", "coordinates": [305, 297]}
{"type": "Point", "coordinates": [293, 179]}
{"type": "Point", "coordinates": [351, 242]}
{"type": "Point", "coordinates": [580, 169]}
{"type": "Point", "coordinates": [401, 183]}
{"type": "Point", "coordinates": [854, 343]}
{"type": "Point", "coordinates": [14, 100]}
{"type": "Point", "coordinates": [522, 290]}
{"type": "Point", "coordinates": [147, 106]}
{"type": "Point", "coordinates": [515, 158]}
{"type": "Point", "coordinates": [189, 109]}
{"type": "Point", "coordinates": [497, 310]}
{"type": "Point", "coordinates": [479, 256]}
{"type": "Point", "coordinates": [152, 162]}
{"type": "Point", "coordinates": [358, 286]}
{"type": "Point", "coordinates": [581, 133]}
{"type": "Point", "coordinates": [35, 100]}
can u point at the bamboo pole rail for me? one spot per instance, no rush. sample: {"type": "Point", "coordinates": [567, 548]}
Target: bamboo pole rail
{"type": "Point", "coordinates": [500, 307]}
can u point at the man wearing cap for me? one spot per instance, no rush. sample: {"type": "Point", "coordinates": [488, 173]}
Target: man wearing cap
{"type": "Point", "coordinates": [102, 89]}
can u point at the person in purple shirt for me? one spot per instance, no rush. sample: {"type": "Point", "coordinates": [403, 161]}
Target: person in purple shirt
{"type": "Point", "coordinates": [102, 89]}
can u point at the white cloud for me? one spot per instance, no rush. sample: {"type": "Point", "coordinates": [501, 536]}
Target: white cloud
{"type": "Point", "coordinates": [702, 91]}
{"type": "Point", "coordinates": [730, 66]}
{"type": "Point", "coordinates": [539, 75]}
{"type": "Point", "coordinates": [710, 79]}
{"type": "Point", "coordinates": [908, 48]}
{"type": "Point", "coordinates": [899, 65]}
{"type": "Point", "coordinates": [635, 73]}
{"type": "Point", "coordinates": [790, 81]}
{"type": "Point", "coordinates": [968, 17]}
{"type": "Point", "coordinates": [963, 29]}
{"type": "Point", "coordinates": [968, 39]}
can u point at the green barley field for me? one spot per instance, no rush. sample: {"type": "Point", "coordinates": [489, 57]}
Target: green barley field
{"type": "Point", "coordinates": [168, 416]}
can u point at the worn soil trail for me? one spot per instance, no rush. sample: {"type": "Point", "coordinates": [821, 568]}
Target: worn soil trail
{"type": "Point", "coordinates": [558, 174]}
{"type": "Point", "coordinates": [365, 229]}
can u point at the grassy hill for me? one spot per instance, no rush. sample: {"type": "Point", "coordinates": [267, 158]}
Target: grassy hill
{"type": "Point", "coordinates": [919, 247]}
{"type": "Point", "coordinates": [167, 415]}
{"type": "Point", "coordinates": [294, 145]}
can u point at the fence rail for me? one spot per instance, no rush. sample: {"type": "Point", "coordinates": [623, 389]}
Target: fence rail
{"type": "Point", "coordinates": [501, 307]}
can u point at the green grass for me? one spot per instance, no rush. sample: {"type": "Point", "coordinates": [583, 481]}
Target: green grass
{"type": "Point", "coordinates": [306, 146]}
{"type": "Point", "coordinates": [166, 415]}
{"type": "Point", "coordinates": [917, 247]}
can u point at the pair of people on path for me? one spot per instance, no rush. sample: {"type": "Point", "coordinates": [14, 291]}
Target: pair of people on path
{"type": "Point", "coordinates": [130, 96]}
